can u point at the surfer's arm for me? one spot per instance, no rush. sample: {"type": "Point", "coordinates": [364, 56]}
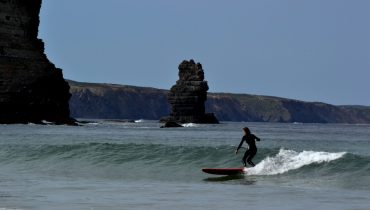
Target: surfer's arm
{"type": "Point", "coordinates": [240, 145]}
{"type": "Point", "coordinates": [255, 137]}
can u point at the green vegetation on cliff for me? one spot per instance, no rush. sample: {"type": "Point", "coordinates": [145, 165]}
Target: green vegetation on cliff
{"type": "Point", "coordinates": [108, 101]}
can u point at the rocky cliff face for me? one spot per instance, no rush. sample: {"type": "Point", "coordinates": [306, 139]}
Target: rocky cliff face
{"type": "Point", "coordinates": [244, 107]}
{"type": "Point", "coordinates": [107, 101]}
{"type": "Point", "coordinates": [188, 95]}
{"type": "Point", "coordinates": [32, 89]}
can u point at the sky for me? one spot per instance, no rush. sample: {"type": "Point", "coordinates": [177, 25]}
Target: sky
{"type": "Point", "coordinates": [310, 50]}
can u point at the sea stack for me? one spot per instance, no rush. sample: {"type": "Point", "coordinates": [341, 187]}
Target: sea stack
{"type": "Point", "coordinates": [32, 89]}
{"type": "Point", "coordinates": [188, 95]}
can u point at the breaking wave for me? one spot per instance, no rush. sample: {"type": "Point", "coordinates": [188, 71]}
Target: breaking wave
{"type": "Point", "coordinates": [287, 160]}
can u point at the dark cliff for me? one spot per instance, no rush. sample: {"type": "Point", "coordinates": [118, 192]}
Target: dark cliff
{"type": "Point", "coordinates": [32, 89]}
{"type": "Point", "coordinates": [91, 100]}
{"type": "Point", "coordinates": [107, 101]}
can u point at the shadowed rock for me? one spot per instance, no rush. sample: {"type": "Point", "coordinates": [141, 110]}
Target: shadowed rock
{"type": "Point", "coordinates": [32, 89]}
{"type": "Point", "coordinates": [171, 124]}
{"type": "Point", "coordinates": [188, 95]}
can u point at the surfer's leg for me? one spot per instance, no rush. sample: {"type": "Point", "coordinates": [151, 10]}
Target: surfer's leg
{"type": "Point", "coordinates": [251, 156]}
{"type": "Point", "coordinates": [251, 163]}
{"type": "Point", "coordinates": [246, 154]}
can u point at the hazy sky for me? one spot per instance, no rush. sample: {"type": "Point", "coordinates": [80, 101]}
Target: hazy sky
{"type": "Point", "coordinates": [312, 50]}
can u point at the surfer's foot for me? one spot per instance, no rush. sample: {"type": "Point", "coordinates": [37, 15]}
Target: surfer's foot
{"type": "Point", "coordinates": [251, 163]}
{"type": "Point", "coordinates": [244, 164]}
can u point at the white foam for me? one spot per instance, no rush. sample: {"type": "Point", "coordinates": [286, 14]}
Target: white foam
{"type": "Point", "coordinates": [139, 121]}
{"type": "Point", "coordinates": [93, 123]}
{"type": "Point", "coordinates": [287, 160]}
{"type": "Point", "coordinates": [8, 209]}
{"type": "Point", "coordinates": [47, 122]}
{"type": "Point", "coordinates": [188, 125]}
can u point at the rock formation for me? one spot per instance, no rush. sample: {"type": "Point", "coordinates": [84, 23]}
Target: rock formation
{"type": "Point", "coordinates": [171, 124]}
{"type": "Point", "coordinates": [32, 89]}
{"type": "Point", "coordinates": [188, 95]}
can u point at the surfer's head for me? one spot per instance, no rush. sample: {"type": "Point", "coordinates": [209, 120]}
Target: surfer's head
{"type": "Point", "coordinates": [246, 131]}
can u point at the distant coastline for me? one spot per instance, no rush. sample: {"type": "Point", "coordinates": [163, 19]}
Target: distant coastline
{"type": "Point", "coordinates": [112, 101]}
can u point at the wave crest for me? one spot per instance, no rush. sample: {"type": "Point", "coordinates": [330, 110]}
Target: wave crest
{"type": "Point", "coordinates": [287, 160]}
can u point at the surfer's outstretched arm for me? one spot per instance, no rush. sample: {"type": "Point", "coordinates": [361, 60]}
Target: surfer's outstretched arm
{"type": "Point", "coordinates": [240, 145]}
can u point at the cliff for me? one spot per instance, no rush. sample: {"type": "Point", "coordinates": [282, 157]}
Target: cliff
{"type": "Point", "coordinates": [244, 107]}
{"type": "Point", "coordinates": [108, 101]}
{"type": "Point", "coordinates": [90, 100]}
{"type": "Point", "coordinates": [32, 89]}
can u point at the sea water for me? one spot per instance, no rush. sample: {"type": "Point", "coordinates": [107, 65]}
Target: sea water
{"type": "Point", "coordinates": [113, 165]}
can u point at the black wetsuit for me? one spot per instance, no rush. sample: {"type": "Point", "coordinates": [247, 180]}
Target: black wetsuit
{"type": "Point", "coordinates": [251, 152]}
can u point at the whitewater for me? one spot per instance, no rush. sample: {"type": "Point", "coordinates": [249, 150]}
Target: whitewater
{"type": "Point", "coordinates": [123, 165]}
{"type": "Point", "coordinates": [287, 160]}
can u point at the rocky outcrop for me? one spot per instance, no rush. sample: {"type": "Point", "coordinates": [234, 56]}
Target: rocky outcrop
{"type": "Point", "coordinates": [32, 89]}
{"type": "Point", "coordinates": [171, 124]}
{"type": "Point", "coordinates": [188, 95]}
{"type": "Point", "coordinates": [106, 101]}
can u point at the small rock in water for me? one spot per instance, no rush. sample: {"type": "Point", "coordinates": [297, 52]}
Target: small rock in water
{"type": "Point", "coordinates": [171, 125]}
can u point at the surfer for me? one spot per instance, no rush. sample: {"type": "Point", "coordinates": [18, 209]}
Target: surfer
{"type": "Point", "coordinates": [251, 152]}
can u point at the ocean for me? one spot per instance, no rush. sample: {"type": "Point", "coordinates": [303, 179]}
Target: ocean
{"type": "Point", "coordinates": [115, 165]}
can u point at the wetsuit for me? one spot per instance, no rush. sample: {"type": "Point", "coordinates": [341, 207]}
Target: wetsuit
{"type": "Point", "coordinates": [251, 152]}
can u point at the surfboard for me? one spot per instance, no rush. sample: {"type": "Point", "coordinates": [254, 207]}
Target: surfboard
{"type": "Point", "coordinates": [224, 171]}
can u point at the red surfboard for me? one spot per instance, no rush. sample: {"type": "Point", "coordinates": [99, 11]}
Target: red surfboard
{"type": "Point", "coordinates": [224, 171]}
